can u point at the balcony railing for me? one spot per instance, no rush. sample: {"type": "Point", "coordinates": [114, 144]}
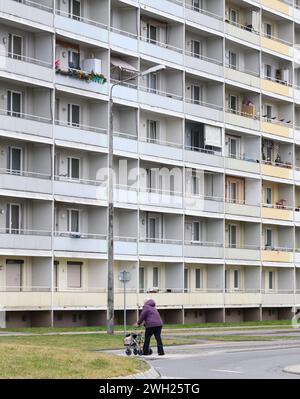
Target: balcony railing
{"type": "Point", "coordinates": [203, 57]}
{"type": "Point", "coordinates": [161, 93]}
{"type": "Point", "coordinates": [248, 28]}
{"type": "Point", "coordinates": [22, 115]}
{"type": "Point", "coordinates": [81, 19]}
{"type": "Point", "coordinates": [240, 69]}
{"type": "Point", "coordinates": [23, 173]}
{"type": "Point", "coordinates": [124, 32]}
{"type": "Point", "coordinates": [278, 205]}
{"type": "Point", "coordinates": [241, 202]}
{"type": "Point", "coordinates": [241, 113]}
{"type": "Point", "coordinates": [204, 104]}
{"type": "Point", "coordinates": [80, 235]}
{"type": "Point", "coordinates": [243, 246]}
{"type": "Point", "coordinates": [203, 243]}
{"type": "Point", "coordinates": [205, 197]}
{"type": "Point", "coordinates": [276, 248]}
{"type": "Point", "coordinates": [125, 135]}
{"type": "Point", "coordinates": [287, 165]}
{"type": "Point", "coordinates": [275, 80]}
{"type": "Point", "coordinates": [156, 240]}
{"type": "Point", "coordinates": [19, 288]}
{"type": "Point", "coordinates": [202, 11]}
{"type": "Point", "coordinates": [277, 121]}
{"type": "Point", "coordinates": [160, 142]}
{"type": "Point", "coordinates": [36, 5]}
{"type": "Point", "coordinates": [24, 231]}
{"type": "Point", "coordinates": [276, 38]}
{"type": "Point", "coordinates": [242, 157]}
{"type": "Point", "coordinates": [80, 126]}
{"type": "Point", "coordinates": [68, 179]}
{"type": "Point", "coordinates": [161, 44]}
{"type": "Point", "coordinates": [27, 59]}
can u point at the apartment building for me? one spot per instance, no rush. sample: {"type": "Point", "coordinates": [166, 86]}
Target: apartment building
{"type": "Point", "coordinates": [206, 159]}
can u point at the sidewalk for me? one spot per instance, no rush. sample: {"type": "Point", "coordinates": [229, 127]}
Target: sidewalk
{"type": "Point", "coordinates": [295, 369]}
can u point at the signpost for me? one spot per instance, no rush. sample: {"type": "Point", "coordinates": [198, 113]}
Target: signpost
{"type": "Point", "coordinates": [124, 277]}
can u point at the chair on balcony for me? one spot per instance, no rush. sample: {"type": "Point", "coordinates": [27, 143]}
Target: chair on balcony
{"type": "Point", "coordinates": [281, 204]}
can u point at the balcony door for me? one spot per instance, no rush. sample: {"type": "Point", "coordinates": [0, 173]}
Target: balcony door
{"type": "Point", "coordinates": [156, 278]}
{"type": "Point", "coordinates": [268, 239]}
{"type": "Point", "coordinates": [73, 221]}
{"type": "Point", "coordinates": [14, 103]}
{"type": "Point", "coordinates": [74, 59]}
{"type": "Point", "coordinates": [73, 168]}
{"type": "Point", "coordinates": [232, 192]}
{"type": "Point", "coordinates": [186, 280]}
{"type": "Point", "coordinates": [152, 33]}
{"type": "Point", "coordinates": [75, 9]}
{"type": "Point", "coordinates": [13, 275]}
{"type": "Point", "coordinates": [15, 160]}
{"type": "Point", "coordinates": [13, 218]}
{"type": "Point", "coordinates": [15, 46]}
{"type": "Point", "coordinates": [153, 228]}
{"type": "Point", "coordinates": [152, 82]}
{"type": "Point", "coordinates": [74, 115]}
{"type": "Point", "coordinates": [232, 231]}
{"type": "Point", "coordinates": [152, 131]}
{"type": "Point", "coordinates": [233, 104]}
{"type": "Point", "coordinates": [196, 48]}
{"type": "Point", "coordinates": [196, 93]}
{"type": "Point", "coordinates": [234, 146]}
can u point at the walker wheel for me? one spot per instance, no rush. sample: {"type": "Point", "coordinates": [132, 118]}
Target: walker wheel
{"type": "Point", "coordinates": [128, 352]}
{"type": "Point", "coordinates": [135, 351]}
{"type": "Point", "coordinates": [140, 351]}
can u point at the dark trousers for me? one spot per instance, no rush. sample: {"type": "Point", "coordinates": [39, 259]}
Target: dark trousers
{"type": "Point", "coordinates": [157, 334]}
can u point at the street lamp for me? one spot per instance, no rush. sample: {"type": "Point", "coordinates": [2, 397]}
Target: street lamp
{"type": "Point", "coordinates": [110, 269]}
{"type": "Point", "coordinates": [124, 277]}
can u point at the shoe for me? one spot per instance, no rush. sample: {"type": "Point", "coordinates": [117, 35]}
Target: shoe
{"type": "Point", "coordinates": [161, 354]}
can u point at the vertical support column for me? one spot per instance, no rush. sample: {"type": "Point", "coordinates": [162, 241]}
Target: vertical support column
{"type": "Point", "coordinates": [2, 318]}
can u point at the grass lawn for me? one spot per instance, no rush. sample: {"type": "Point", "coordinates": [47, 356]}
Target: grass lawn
{"type": "Point", "coordinates": [67, 356]}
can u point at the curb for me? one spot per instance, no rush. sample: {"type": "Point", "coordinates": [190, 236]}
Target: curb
{"type": "Point", "coordinates": [295, 369]}
{"type": "Point", "coordinates": [150, 374]}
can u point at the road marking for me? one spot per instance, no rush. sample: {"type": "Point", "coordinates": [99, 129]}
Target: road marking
{"type": "Point", "coordinates": [227, 371]}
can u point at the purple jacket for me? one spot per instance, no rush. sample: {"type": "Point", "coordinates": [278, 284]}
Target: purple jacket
{"type": "Point", "coordinates": [150, 315]}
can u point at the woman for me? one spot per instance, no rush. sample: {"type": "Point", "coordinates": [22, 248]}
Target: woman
{"type": "Point", "coordinates": [153, 324]}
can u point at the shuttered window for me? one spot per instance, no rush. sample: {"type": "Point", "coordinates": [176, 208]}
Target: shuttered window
{"type": "Point", "coordinates": [74, 275]}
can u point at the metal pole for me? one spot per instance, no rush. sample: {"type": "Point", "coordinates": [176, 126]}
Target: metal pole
{"type": "Point", "coordinates": [110, 265]}
{"type": "Point", "coordinates": [125, 321]}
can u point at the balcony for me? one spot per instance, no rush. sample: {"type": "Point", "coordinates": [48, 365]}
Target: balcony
{"type": "Point", "coordinates": [277, 211]}
{"type": "Point", "coordinates": [242, 32]}
{"type": "Point", "coordinates": [243, 252]}
{"type": "Point", "coordinates": [297, 134]}
{"type": "Point", "coordinates": [90, 29]}
{"type": "Point", "coordinates": [242, 119]}
{"type": "Point", "coordinates": [283, 6]}
{"type": "Point", "coordinates": [125, 142]}
{"type": "Point", "coordinates": [243, 297]}
{"type": "Point", "coordinates": [276, 44]}
{"type": "Point", "coordinates": [205, 64]}
{"type": "Point", "coordinates": [198, 249]}
{"type": "Point", "coordinates": [31, 10]}
{"type": "Point", "coordinates": [126, 246]}
{"type": "Point", "coordinates": [31, 182]}
{"type": "Point", "coordinates": [80, 134]}
{"type": "Point", "coordinates": [26, 66]}
{"type": "Point", "coordinates": [297, 92]}
{"type": "Point", "coordinates": [277, 254]}
{"type": "Point", "coordinates": [278, 128]}
{"type": "Point", "coordinates": [160, 99]}
{"type": "Point", "coordinates": [201, 156]}
{"type": "Point", "coordinates": [96, 297]}
{"type": "Point", "coordinates": [161, 50]}
{"type": "Point", "coordinates": [173, 7]}
{"type": "Point", "coordinates": [125, 194]}
{"type": "Point", "coordinates": [80, 242]}
{"type": "Point", "coordinates": [160, 198]}
{"type": "Point", "coordinates": [80, 188]}
{"type": "Point", "coordinates": [204, 203]}
{"type": "Point", "coordinates": [279, 298]}
{"type": "Point", "coordinates": [125, 91]}
{"type": "Point", "coordinates": [205, 110]}
{"type": "Point", "coordinates": [243, 76]}
{"type": "Point", "coordinates": [203, 298]}
{"type": "Point", "coordinates": [160, 148]}
{"type": "Point", "coordinates": [19, 298]}
{"type": "Point", "coordinates": [277, 169]}
{"type": "Point", "coordinates": [160, 247]}
{"type": "Point", "coordinates": [24, 239]}
{"type": "Point", "coordinates": [123, 39]}
{"type": "Point", "coordinates": [18, 122]}
{"type": "Point", "coordinates": [245, 164]}
{"type": "Point", "coordinates": [297, 254]}
{"type": "Point", "coordinates": [276, 86]}
{"type": "Point", "coordinates": [203, 17]}
{"type": "Point", "coordinates": [241, 208]}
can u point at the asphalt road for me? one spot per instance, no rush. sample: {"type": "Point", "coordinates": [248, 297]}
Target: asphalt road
{"type": "Point", "coordinates": [244, 360]}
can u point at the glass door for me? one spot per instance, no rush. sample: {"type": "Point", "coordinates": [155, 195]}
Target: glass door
{"type": "Point", "coordinates": [14, 103]}
{"type": "Point", "coordinates": [13, 218]}
{"type": "Point", "coordinates": [15, 46]}
{"type": "Point", "coordinates": [232, 236]}
{"type": "Point", "coordinates": [15, 156]}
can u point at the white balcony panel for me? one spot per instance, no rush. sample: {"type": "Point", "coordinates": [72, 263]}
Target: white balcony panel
{"type": "Point", "coordinates": [80, 135]}
{"type": "Point", "coordinates": [155, 100]}
{"type": "Point", "coordinates": [26, 126]}
{"type": "Point", "coordinates": [83, 29]}
{"type": "Point", "coordinates": [297, 134]}
{"type": "Point", "coordinates": [22, 300]}
{"type": "Point", "coordinates": [297, 299]}
{"type": "Point", "coordinates": [242, 121]}
{"type": "Point", "coordinates": [80, 190]}
{"type": "Point", "coordinates": [204, 205]}
{"type": "Point", "coordinates": [124, 41]}
{"type": "Point", "coordinates": [204, 158]}
{"type": "Point", "coordinates": [126, 93]}
{"type": "Point", "coordinates": [38, 15]}
{"type": "Point", "coordinates": [243, 254]}
{"type": "Point", "coordinates": [297, 174]}
{"type": "Point", "coordinates": [242, 165]}
{"type": "Point", "coordinates": [161, 52]}
{"type": "Point", "coordinates": [242, 298]}
{"type": "Point", "coordinates": [75, 244]}
{"type": "Point", "coordinates": [28, 69]}
{"type": "Point", "coordinates": [203, 65]}
{"type": "Point", "coordinates": [25, 183]}
{"type": "Point", "coordinates": [166, 6]}
{"type": "Point", "coordinates": [162, 151]}
{"type": "Point", "coordinates": [200, 251]}
{"type": "Point", "coordinates": [297, 94]}
{"type": "Point", "coordinates": [125, 248]}
{"type": "Point", "coordinates": [158, 249]}
{"type": "Point", "coordinates": [296, 47]}
{"type": "Point", "coordinates": [159, 199]}
{"type": "Point", "coordinates": [242, 210]}
{"type": "Point", "coordinates": [242, 34]}
{"type": "Point", "coordinates": [277, 299]}
{"type": "Point", "coordinates": [125, 196]}
{"type": "Point", "coordinates": [125, 144]}
{"type": "Point", "coordinates": [242, 77]}
{"type": "Point", "coordinates": [203, 19]}
{"type": "Point", "coordinates": [297, 216]}
{"type": "Point", "coordinates": [201, 111]}
{"type": "Point", "coordinates": [297, 14]}
{"type": "Point", "coordinates": [297, 255]}
{"type": "Point", "coordinates": [81, 84]}
{"type": "Point", "coordinates": [79, 299]}
{"type": "Point", "coordinates": [26, 242]}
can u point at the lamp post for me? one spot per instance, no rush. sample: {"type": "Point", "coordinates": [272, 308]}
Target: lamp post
{"type": "Point", "coordinates": [110, 266]}
{"type": "Point", "coordinates": [124, 277]}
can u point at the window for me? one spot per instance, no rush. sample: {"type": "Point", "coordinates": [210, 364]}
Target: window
{"type": "Point", "coordinates": [152, 33]}
{"type": "Point", "coordinates": [155, 277]}
{"type": "Point", "coordinates": [197, 139]}
{"type": "Point", "coordinates": [152, 229]}
{"type": "Point", "coordinates": [15, 46]}
{"type": "Point", "coordinates": [152, 131]}
{"type": "Point", "coordinates": [195, 182]}
{"type": "Point", "coordinates": [198, 278]}
{"type": "Point", "coordinates": [74, 115]}
{"type": "Point", "coordinates": [186, 279]}
{"type": "Point", "coordinates": [268, 71]}
{"type": "Point", "coordinates": [232, 191]}
{"type": "Point", "coordinates": [196, 234]}
{"type": "Point", "coordinates": [232, 60]}
{"type": "Point", "coordinates": [233, 15]}
{"type": "Point", "coordinates": [233, 146]}
{"type": "Point", "coordinates": [74, 59]}
{"type": "Point", "coordinates": [142, 278]}
{"type": "Point", "coordinates": [73, 221]}
{"type": "Point", "coordinates": [270, 280]}
{"type": "Point", "coordinates": [73, 168]}
{"type": "Point", "coordinates": [197, 5]}
{"type": "Point", "coordinates": [75, 9]}
{"type": "Point", "coordinates": [268, 30]}
{"type": "Point", "coordinates": [13, 218]}
{"type": "Point", "coordinates": [226, 280]}
{"type": "Point", "coordinates": [236, 279]}
{"type": "Point", "coordinates": [232, 236]}
{"type": "Point", "coordinates": [14, 103]}
{"type": "Point", "coordinates": [55, 275]}
{"type": "Point", "coordinates": [268, 112]}
{"type": "Point", "coordinates": [15, 160]}
{"type": "Point", "coordinates": [196, 47]}
{"type": "Point", "coordinates": [152, 82]}
{"type": "Point", "coordinates": [268, 238]}
{"type": "Point", "coordinates": [233, 104]}
{"type": "Point", "coordinates": [13, 275]}
{"type": "Point", "coordinates": [268, 196]}
{"type": "Point", "coordinates": [196, 93]}
{"type": "Point", "coordinates": [74, 274]}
